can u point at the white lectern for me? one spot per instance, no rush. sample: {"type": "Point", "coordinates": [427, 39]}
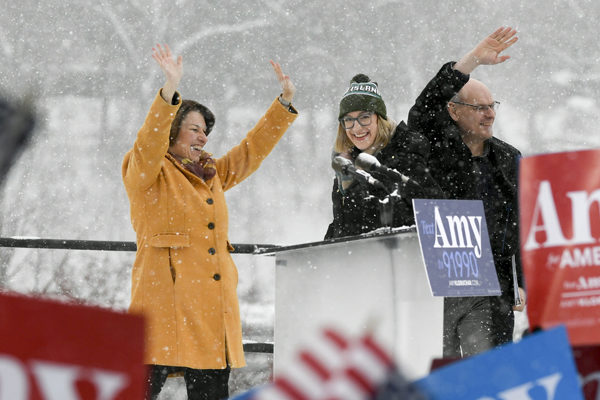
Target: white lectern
{"type": "Point", "coordinates": [351, 283]}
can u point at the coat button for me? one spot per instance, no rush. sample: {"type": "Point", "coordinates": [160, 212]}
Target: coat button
{"type": "Point", "coordinates": [211, 225]}
{"type": "Point", "coordinates": [211, 251]}
{"type": "Point", "coordinates": [209, 201]}
{"type": "Point", "coordinates": [217, 277]}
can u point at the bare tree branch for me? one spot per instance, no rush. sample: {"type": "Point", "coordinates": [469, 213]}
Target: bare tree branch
{"type": "Point", "coordinates": [219, 30]}
{"type": "Point", "coordinates": [119, 28]}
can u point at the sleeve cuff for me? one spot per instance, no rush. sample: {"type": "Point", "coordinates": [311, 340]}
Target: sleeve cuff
{"type": "Point", "coordinates": [449, 70]}
{"type": "Point", "coordinates": [176, 99]}
{"type": "Point", "coordinates": [287, 105]}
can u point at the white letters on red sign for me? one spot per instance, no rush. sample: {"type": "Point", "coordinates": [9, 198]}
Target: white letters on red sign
{"type": "Point", "coordinates": [56, 381]}
{"type": "Point", "coordinates": [13, 379]}
{"type": "Point", "coordinates": [546, 215]}
{"type": "Point", "coordinates": [591, 378]}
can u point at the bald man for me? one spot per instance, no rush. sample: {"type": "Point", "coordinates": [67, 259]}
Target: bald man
{"type": "Point", "coordinates": [456, 113]}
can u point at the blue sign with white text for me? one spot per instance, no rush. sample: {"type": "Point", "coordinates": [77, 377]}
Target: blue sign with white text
{"type": "Point", "coordinates": [456, 247]}
{"type": "Point", "coordinates": [539, 367]}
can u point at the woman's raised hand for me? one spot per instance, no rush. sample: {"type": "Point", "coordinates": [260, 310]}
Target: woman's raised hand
{"type": "Point", "coordinates": [287, 87]}
{"type": "Point", "coordinates": [172, 69]}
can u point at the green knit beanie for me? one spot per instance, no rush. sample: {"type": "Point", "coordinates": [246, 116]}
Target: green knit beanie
{"type": "Point", "coordinates": [362, 95]}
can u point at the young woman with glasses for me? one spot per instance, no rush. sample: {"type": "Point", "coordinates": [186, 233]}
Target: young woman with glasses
{"type": "Point", "coordinates": [364, 126]}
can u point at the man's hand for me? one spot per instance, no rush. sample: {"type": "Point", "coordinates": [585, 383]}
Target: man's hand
{"type": "Point", "coordinates": [523, 298]}
{"type": "Point", "coordinates": [487, 52]}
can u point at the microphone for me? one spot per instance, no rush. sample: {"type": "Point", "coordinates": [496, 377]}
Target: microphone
{"type": "Point", "coordinates": [371, 163]}
{"type": "Point", "coordinates": [345, 166]}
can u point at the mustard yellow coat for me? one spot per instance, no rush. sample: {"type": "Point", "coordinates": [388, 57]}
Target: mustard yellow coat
{"type": "Point", "coordinates": [184, 279]}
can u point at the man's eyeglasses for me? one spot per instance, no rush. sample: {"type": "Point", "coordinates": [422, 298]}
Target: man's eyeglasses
{"type": "Point", "coordinates": [481, 108]}
{"type": "Point", "coordinates": [363, 119]}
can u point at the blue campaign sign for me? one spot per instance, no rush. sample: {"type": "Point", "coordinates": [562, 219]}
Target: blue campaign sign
{"type": "Point", "coordinates": [539, 367]}
{"type": "Point", "coordinates": [246, 395]}
{"type": "Point", "coordinates": [456, 247]}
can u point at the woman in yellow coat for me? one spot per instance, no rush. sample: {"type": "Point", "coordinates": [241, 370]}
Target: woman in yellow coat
{"type": "Point", "coordinates": [184, 279]}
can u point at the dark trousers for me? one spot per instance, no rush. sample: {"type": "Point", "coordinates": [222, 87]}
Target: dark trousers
{"type": "Point", "coordinates": [476, 324]}
{"type": "Point", "coordinates": [201, 384]}
{"type": "Point", "coordinates": [503, 319]}
{"type": "Point", "coordinates": [467, 326]}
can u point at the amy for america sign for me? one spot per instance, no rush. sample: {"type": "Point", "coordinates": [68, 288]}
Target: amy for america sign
{"type": "Point", "coordinates": [455, 246]}
{"type": "Point", "coordinates": [560, 232]}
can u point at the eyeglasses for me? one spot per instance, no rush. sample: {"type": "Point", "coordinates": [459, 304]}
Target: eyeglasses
{"type": "Point", "coordinates": [481, 108]}
{"type": "Point", "coordinates": [363, 119]}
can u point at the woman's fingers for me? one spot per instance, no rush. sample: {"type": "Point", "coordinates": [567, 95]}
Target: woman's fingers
{"type": "Point", "coordinates": [278, 71]}
{"type": "Point", "coordinates": [161, 54]}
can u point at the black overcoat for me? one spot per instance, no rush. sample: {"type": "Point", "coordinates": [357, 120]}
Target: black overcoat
{"type": "Point", "coordinates": [357, 209]}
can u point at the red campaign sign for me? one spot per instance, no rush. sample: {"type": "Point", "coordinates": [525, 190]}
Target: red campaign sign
{"type": "Point", "coordinates": [587, 359]}
{"type": "Point", "coordinates": [56, 351]}
{"type": "Point", "coordinates": [559, 203]}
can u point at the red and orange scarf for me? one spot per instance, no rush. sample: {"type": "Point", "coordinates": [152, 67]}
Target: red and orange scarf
{"type": "Point", "coordinates": [204, 169]}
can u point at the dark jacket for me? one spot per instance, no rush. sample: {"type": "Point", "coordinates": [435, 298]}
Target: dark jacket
{"type": "Point", "coordinates": [357, 209]}
{"type": "Point", "coordinates": [456, 170]}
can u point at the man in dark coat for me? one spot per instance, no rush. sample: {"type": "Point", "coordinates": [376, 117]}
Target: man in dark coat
{"type": "Point", "coordinates": [456, 113]}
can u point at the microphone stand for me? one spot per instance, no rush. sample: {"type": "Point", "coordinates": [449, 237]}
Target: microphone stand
{"type": "Point", "coordinates": [386, 208]}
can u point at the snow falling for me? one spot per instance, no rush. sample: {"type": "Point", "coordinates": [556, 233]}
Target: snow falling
{"type": "Point", "coordinates": [88, 69]}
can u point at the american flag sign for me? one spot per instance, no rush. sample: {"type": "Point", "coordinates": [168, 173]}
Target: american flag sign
{"type": "Point", "coordinates": [335, 367]}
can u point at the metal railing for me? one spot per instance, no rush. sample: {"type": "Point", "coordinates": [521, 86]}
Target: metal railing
{"type": "Point", "coordinates": [103, 245]}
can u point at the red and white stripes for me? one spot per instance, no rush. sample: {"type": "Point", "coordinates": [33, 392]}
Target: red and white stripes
{"type": "Point", "coordinates": [334, 368]}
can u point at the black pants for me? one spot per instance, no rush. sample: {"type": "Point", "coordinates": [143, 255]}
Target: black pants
{"type": "Point", "coordinates": [503, 319]}
{"type": "Point", "coordinates": [201, 384]}
{"type": "Point", "coordinates": [467, 326]}
{"type": "Point", "coordinates": [476, 324]}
